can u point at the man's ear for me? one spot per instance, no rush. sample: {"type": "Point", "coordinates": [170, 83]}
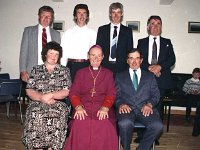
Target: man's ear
{"type": "Point", "coordinates": [141, 60]}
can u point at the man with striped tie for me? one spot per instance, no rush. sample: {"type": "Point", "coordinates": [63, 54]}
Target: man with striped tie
{"type": "Point", "coordinates": [33, 40]}
{"type": "Point", "coordinates": [115, 39]}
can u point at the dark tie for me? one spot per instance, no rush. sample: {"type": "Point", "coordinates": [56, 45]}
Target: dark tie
{"type": "Point", "coordinates": [154, 52]}
{"type": "Point", "coordinates": [114, 43]}
{"type": "Point", "coordinates": [135, 80]}
{"type": "Point", "coordinates": [44, 37]}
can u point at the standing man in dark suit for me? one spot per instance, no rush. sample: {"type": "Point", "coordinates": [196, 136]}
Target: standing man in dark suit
{"type": "Point", "coordinates": [137, 97]}
{"type": "Point", "coordinates": [115, 39]}
{"type": "Point", "coordinates": [31, 44]}
{"type": "Point", "coordinates": [165, 57]}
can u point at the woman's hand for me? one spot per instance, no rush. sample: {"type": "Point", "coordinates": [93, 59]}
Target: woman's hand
{"type": "Point", "coordinates": [102, 113]}
{"type": "Point", "coordinates": [48, 98]}
{"type": "Point", "coordinates": [80, 113]}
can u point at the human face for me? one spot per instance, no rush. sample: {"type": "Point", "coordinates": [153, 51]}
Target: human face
{"type": "Point", "coordinates": [52, 57]}
{"type": "Point", "coordinates": [116, 15]}
{"type": "Point", "coordinates": [154, 27]}
{"type": "Point", "coordinates": [81, 17]}
{"type": "Point", "coordinates": [196, 75]}
{"type": "Point", "coordinates": [95, 57]}
{"type": "Point", "coordinates": [45, 18]}
{"type": "Point", "coordinates": [134, 60]}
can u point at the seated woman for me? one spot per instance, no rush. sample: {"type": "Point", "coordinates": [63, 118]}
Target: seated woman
{"type": "Point", "coordinates": [92, 96]}
{"type": "Point", "coordinates": [46, 115]}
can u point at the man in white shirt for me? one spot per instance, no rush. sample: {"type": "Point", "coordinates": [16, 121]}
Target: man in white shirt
{"type": "Point", "coordinates": [77, 40]}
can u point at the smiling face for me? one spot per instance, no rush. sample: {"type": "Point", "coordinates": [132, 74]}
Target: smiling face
{"type": "Point", "coordinates": [116, 16]}
{"type": "Point", "coordinates": [81, 17]}
{"type": "Point", "coordinates": [134, 60]}
{"type": "Point", "coordinates": [95, 57]}
{"type": "Point", "coordinates": [52, 56]}
{"type": "Point", "coordinates": [154, 27]}
{"type": "Point", "coordinates": [45, 18]}
{"type": "Point", "coordinates": [196, 75]}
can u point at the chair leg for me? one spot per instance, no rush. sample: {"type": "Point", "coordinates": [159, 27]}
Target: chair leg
{"type": "Point", "coordinates": [119, 143]}
{"type": "Point", "coordinates": [20, 110]}
{"type": "Point", "coordinates": [153, 146]}
{"type": "Point", "coordinates": [8, 109]}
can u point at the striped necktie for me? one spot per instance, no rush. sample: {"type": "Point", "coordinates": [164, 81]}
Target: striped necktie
{"type": "Point", "coordinates": [114, 43]}
{"type": "Point", "coordinates": [44, 37]}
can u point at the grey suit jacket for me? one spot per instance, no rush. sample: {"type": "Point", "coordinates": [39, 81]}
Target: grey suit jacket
{"type": "Point", "coordinates": [147, 91]}
{"type": "Point", "coordinates": [29, 47]}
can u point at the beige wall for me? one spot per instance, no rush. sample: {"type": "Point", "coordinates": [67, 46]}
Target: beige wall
{"type": "Point", "coordinates": [16, 14]}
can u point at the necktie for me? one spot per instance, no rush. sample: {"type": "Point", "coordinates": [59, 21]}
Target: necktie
{"type": "Point", "coordinates": [154, 52]}
{"type": "Point", "coordinates": [44, 37]}
{"type": "Point", "coordinates": [135, 79]}
{"type": "Point", "coordinates": [114, 43]}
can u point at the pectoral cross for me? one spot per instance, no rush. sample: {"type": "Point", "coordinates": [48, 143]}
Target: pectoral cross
{"type": "Point", "coordinates": [93, 91]}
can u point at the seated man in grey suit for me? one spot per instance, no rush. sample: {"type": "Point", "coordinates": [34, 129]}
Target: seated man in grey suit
{"type": "Point", "coordinates": [137, 97]}
{"type": "Point", "coordinates": [34, 39]}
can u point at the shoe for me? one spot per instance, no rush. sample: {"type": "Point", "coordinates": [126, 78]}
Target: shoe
{"type": "Point", "coordinates": [195, 134]}
{"type": "Point", "coordinates": [137, 140]}
{"type": "Point", "coordinates": [157, 142]}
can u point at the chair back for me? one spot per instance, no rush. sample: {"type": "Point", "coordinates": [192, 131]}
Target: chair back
{"type": "Point", "coordinates": [4, 76]}
{"type": "Point", "coordinates": [10, 87]}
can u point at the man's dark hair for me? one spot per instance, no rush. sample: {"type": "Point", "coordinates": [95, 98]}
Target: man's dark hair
{"type": "Point", "coordinates": [135, 50]}
{"type": "Point", "coordinates": [51, 45]}
{"type": "Point", "coordinates": [47, 9]}
{"type": "Point", "coordinates": [196, 70]}
{"type": "Point", "coordinates": [81, 6]}
{"type": "Point", "coordinates": [155, 18]}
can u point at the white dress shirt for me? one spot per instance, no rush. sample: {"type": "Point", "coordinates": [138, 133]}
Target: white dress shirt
{"type": "Point", "coordinates": [76, 42]}
{"type": "Point", "coordinates": [151, 40]}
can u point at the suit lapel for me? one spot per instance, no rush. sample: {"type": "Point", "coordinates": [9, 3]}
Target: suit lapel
{"type": "Point", "coordinates": [128, 81]}
{"type": "Point", "coordinates": [162, 45]}
{"type": "Point", "coordinates": [107, 40]}
{"type": "Point", "coordinates": [35, 39]}
{"type": "Point", "coordinates": [142, 78]}
{"type": "Point", "coordinates": [120, 36]}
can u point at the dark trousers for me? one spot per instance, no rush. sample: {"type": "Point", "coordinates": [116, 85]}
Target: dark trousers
{"type": "Point", "coordinates": [160, 105]}
{"type": "Point", "coordinates": [192, 100]}
{"type": "Point", "coordinates": [160, 108]}
{"type": "Point", "coordinates": [153, 129]}
{"type": "Point", "coordinates": [196, 128]}
{"type": "Point", "coordinates": [75, 66]}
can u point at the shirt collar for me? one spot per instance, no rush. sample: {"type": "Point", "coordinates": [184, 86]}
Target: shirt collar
{"type": "Point", "coordinates": [41, 27]}
{"type": "Point", "coordinates": [118, 25]}
{"type": "Point", "coordinates": [83, 27]}
{"type": "Point", "coordinates": [152, 37]}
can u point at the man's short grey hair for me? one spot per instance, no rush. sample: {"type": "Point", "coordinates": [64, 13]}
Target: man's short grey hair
{"type": "Point", "coordinates": [114, 6]}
